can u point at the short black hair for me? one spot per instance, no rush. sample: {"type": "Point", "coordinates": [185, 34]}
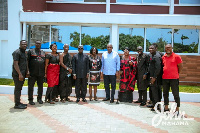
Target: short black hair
{"type": "Point", "coordinates": [155, 45]}
{"type": "Point", "coordinates": [23, 41]}
{"type": "Point", "coordinates": [91, 50]}
{"type": "Point", "coordinates": [52, 45]}
{"type": "Point", "coordinates": [127, 48]}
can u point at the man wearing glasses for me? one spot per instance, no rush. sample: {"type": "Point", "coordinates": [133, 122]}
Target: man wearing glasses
{"type": "Point", "coordinates": [80, 68]}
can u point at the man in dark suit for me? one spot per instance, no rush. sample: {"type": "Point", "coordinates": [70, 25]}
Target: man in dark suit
{"type": "Point", "coordinates": [36, 65]}
{"type": "Point", "coordinates": [80, 67]}
{"type": "Point", "coordinates": [154, 70]}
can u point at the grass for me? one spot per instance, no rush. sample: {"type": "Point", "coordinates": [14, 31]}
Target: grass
{"type": "Point", "coordinates": [182, 88]}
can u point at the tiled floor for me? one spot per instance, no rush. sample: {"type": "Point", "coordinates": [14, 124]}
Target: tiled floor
{"type": "Point", "coordinates": [93, 116]}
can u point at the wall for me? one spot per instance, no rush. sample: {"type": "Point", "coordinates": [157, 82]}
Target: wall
{"type": "Point", "coordinates": [9, 39]}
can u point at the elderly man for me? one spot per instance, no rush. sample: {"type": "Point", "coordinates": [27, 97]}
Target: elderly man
{"type": "Point", "coordinates": [80, 69]}
{"type": "Point", "coordinates": [20, 71]}
{"type": "Point", "coordinates": [36, 65]}
{"type": "Point", "coordinates": [172, 67]}
{"type": "Point", "coordinates": [110, 69]}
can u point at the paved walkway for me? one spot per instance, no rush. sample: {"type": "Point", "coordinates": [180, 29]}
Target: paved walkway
{"type": "Point", "coordinates": [93, 116]}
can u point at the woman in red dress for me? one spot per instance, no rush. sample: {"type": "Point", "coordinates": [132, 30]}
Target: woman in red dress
{"type": "Point", "coordinates": [127, 77]}
{"type": "Point", "coordinates": [52, 70]}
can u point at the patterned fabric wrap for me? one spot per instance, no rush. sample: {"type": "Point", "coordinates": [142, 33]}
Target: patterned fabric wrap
{"type": "Point", "coordinates": [127, 77]}
{"type": "Point", "coordinates": [53, 71]}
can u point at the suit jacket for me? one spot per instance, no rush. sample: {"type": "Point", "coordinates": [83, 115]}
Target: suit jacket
{"type": "Point", "coordinates": [80, 65]}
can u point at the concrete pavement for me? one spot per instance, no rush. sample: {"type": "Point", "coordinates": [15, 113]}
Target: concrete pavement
{"type": "Point", "coordinates": [93, 116]}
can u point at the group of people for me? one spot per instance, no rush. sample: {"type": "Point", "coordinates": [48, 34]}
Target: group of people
{"type": "Point", "coordinates": [61, 71]}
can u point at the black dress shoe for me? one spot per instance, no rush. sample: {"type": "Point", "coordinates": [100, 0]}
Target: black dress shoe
{"type": "Point", "coordinates": [150, 106]}
{"type": "Point", "coordinates": [106, 99]}
{"type": "Point", "coordinates": [165, 110]}
{"type": "Point", "coordinates": [31, 103]}
{"type": "Point", "coordinates": [40, 101]}
{"type": "Point", "coordinates": [84, 100]}
{"type": "Point", "coordinates": [23, 104]}
{"type": "Point", "coordinates": [137, 102]}
{"type": "Point", "coordinates": [77, 100]}
{"type": "Point", "coordinates": [143, 104]}
{"type": "Point", "coordinates": [20, 106]}
{"type": "Point", "coordinates": [152, 109]}
{"type": "Point", "coordinates": [112, 101]}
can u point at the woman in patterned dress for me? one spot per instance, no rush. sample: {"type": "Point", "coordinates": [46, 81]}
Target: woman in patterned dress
{"type": "Point", "coordinates": [95, 67]}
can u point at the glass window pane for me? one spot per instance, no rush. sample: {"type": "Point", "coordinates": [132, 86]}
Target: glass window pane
{"type": "Point", "coordinates": [190, 1]}
{"type": "Point", "coordinates": [186, 40]}
{"type": "Point", "coordinates": [159, 36]}
{"type": "Point", "coordinates": [155, 1]}
{"type": "Point", "coordinates": [3, 15]}
{"type": "Point", "coordinates": [95, 37]}
{"type": "Point", "coordinates": [37, 32]}
{"type": "Point", "coordinates": [131, 38]}
{"type": "Point", "coordinates": [134, 1]}
{"type": "Point", "coordinates": [70, 0]}
{"type": "Point", "coordinates": [94, 0]}
{"type": "Point", "coordinates": [66, 35]}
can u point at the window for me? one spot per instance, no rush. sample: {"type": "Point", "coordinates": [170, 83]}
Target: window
{"type": "Point", "coordinates": [189, 1]}
{"type": "Point", "coordinates": [144, 1]}
{"type": "Point", "coordinates": [159, 36]}
{"type": "Point", "coordinates": [38, 32]}
{"type": "Point", "coordinates": [131, 38]}
{"type": "Point", "coordinates": [95, 37]}
{"type": "Point", "coordinates": [186, 40]}
{"type": "Point", "coordinates": [3, 15]}
{"type": "Point", "coordinates": [94, 0]}
{"type": "Point", "coordinates": [66, 35]}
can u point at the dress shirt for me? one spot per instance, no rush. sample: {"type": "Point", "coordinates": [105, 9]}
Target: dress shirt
{"type": "Point", "coordinates": [110, 63]}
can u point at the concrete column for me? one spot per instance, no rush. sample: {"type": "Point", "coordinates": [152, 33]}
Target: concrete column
{"type": "Point", "coordinates": [24, 31]}
{"type": "Point", "coordinates": [49, 36]}
{"type": "Point", "coordinates": [171, 7]}
{"type": "Point", "coordinates": [107, 6]}
{"type": "Point", "coordinates": [80, 35]}
{"type": "Point", "coordinates": [145, 40]}
{"type": "Point", "coordinates": [114, 37]}
{"type": "Point", "coordinates": [172, 38]}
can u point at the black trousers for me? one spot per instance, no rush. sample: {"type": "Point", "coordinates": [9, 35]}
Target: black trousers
{"type": "Point", "coordinates": [31, 83]}
{"type": "Point", "coordinates": [17, 90]}
{"type": "Point", "coordinates": [159, 92]}
{"type": "Point", "coordinates": [150, 94]}
{"type": "Point", "coordinates": [155, 92]}
{"type": "Point", "coordinates": [142, 96]}
{"type": "Point", "coordinates": [81, 87]}
{"type": "Point", "coordinates": [110, 79]}
{"type": "Point", "coordinates": [174, 84]}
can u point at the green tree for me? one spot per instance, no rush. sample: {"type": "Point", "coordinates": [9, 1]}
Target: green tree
{"type": "Point", "coordinates": [76, 39]}
{"type": "Point", "coordinates": [183, 38]}
{"type": "Point", "coordinates": [130, 41]}
{"type": "Point", "coordinates": [161, 44]}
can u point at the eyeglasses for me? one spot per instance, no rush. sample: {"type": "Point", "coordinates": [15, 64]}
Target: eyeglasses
{"type": "Point", "coordinates": [80, 48]}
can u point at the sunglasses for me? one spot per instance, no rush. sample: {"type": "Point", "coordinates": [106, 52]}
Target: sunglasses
{"type": "Point", "coordinates": [80, 48]}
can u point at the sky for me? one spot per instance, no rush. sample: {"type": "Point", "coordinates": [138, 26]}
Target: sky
{"type": "Point", "coordinates": [152, 34]}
